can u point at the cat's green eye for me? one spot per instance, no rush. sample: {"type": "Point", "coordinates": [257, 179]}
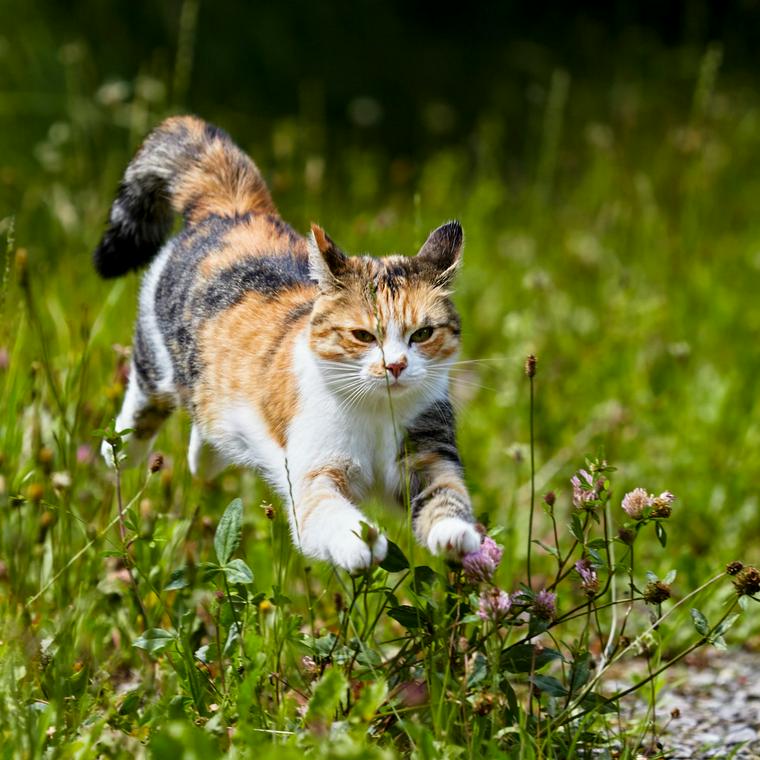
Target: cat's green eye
{"type": "Point", "coordinates": [363, 335]}
{"type": "Point", "coordinates": [421, 335]}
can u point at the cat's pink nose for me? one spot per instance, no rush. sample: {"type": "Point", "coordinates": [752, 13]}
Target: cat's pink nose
{"type": "Point", "coordinates": [396, 368]}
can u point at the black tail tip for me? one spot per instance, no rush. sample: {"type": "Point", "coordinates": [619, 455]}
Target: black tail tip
{"type": "Point", "coordinates": [116, 254]}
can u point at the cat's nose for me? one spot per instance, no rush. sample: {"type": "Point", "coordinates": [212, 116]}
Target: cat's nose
{"type": "Point", "coordinates": [397, 367]}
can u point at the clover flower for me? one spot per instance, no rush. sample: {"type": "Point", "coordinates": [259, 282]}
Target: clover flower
{"type": "Point", "coordinates": [589, 578]}
{"type": "Point", "coordinates": [635, 502]}
{"type": "Point", "coordinates": [481, 564]}
{"type": "Point", "coordinates": [494, 605]}
{"type": "Point", "coordinates": [584, 489]}
{"type": "Point", "coordinates": [545, 605]}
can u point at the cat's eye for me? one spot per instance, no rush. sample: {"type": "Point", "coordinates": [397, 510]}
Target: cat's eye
{"type": "Point", "coordinates": [421, 335]}
{"type": "Point", "coordinates": [363, 335]}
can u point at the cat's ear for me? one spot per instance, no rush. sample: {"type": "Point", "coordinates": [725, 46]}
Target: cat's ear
{"type": "Point", "coordinates": [326, 262]}
{"type": "Point", "coordinates": [441, 255]}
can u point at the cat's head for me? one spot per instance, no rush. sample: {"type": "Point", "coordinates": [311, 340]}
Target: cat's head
{"type": "Point", "coordinates": [386, 324]}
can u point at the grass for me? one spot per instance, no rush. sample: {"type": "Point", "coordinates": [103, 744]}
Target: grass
{"type": "Point", "coordinates": [625, 254]}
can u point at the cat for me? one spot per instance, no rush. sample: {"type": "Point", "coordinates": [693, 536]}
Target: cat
{"type": "Point", "coordinates": [327, 373]}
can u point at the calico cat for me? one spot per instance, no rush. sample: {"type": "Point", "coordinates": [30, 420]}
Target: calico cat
{"type": "Point", "coordinates": [328, 373]}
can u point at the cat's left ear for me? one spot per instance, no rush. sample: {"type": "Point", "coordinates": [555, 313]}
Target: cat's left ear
{"type": "Point", "coordinates": [442, 252]}
{"type": "Point", "coordinates": [326, 263]}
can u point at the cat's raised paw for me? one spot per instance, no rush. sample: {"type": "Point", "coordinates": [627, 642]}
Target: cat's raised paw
{"type": "Point", "coordinates": [351, 553]}
{"type": "Point", "coordinates": [453, 537]}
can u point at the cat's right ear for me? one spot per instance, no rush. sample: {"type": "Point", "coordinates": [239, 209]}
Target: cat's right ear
{"type": "Point", "coordinates": [326, 262]}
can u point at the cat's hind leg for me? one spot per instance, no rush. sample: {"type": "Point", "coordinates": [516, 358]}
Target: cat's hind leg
{"type": "Point", "coordinates": [203, 459]}
{"type": "Point", "coordinates": [142, 414]}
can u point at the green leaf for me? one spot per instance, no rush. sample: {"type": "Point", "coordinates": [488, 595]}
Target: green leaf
{"type": "Point", "coordinates": [575, 527]}
{"type": "Point", "coordinates": [326, 695]}
{"type": "Point", "coordinates": [177, 580]}
{"type": "Point", "coordinates": [662, 536]}
{"type": "Point", "coordinates": [394, 561]}
{"type": "Point", "coordinates": [522, 658]}
{"type": "Point", "coordinates": [726, 624]}
{"type": "Point", "coordinates": [550, 549]}
{"type": "Point", "coordinates": [238, 572]}
{"type": "Point", "coordinates": [372, 696]}
{"type": "Point", "coordinates": [580, 672]}
{"type": "Point", "coordinates": [228, 532]}
{"type": "Point", "coordinates": [410, 617]}
{"type": "Point", "coordinates": [155, 639]}
{"type": "Point", "coordinates": [700, 622]}
{"type": "Point", "coordinates": [423, 576]}
{"type": "Point", "coordinates": [549, 685]}
{"type": "Point", "coordinates": [599, 703]}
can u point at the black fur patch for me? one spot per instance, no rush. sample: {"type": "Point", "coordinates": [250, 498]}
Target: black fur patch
{"type": "Point", "coordinates": [133, 240]}
{"type": "Point", "coordinates": [434, 431]}
{"type": "Point", "coordinates": [264, 274]}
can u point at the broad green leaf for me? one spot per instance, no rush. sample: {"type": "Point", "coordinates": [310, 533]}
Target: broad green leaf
{"type": "Point", "coordinates": [228, 532]}
{"type": "Point", "coordinates": [410, 617]}
{"type": "Point", "coordinates": [549, 685]}
{"type": "Point", "coordinates": [423, 576]}
{"type": "Point", "coordinates": [155, 639]}
{"type": "Point", "coordinates": [177, 580]}
{"type": "Point", "coordinates": [599, 703]}
{"type": "Point", "coordinates": [238, 572]}
{"type": "Point", "coordinates": [394, 561]}
{"type": "Point", "coordinates": [326, 696]}
{"type": "Point", "coordinates": [726, 624]}
{"type": "Point", "coordinates": [576, 529]}
{"type": "Point", "coordinates": [700, 622]}
{"type": "Point", "coordinates": [522, 658]}
{"type": "Point", "coordinates": [580, 672]}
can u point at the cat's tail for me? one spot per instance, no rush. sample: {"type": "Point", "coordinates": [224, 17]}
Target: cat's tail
{"type": "Point", "coordinates": [185, 166]}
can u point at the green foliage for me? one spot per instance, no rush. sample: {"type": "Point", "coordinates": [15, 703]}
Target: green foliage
{"type": "Point", "coordinates": [620, 246]}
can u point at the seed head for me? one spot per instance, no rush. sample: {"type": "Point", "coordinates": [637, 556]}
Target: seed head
{"type": "Point", "coordinates": [656, 592]}
{"type": "Point", "coordinates": [661, 505]}
{"type": "Point", "coordinates": [530, 365]}
{"type": "Point", "coordinates": [732, 568]}
{"type": "Point", "coordinates": [747, 581]}
{"type": "Point", "coordinates": [156, 462]}
{"type": "Point", "coordinates": [550, 498]}
{"type": "Point", "coordinates": [269, 512]}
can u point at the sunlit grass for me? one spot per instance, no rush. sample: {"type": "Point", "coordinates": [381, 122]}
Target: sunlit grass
{"type": "Point", "coordinates": [626, 256]}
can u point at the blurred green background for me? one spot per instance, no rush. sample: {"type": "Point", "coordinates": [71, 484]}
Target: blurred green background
{"type": "Point", "coordinates": [604, 160]}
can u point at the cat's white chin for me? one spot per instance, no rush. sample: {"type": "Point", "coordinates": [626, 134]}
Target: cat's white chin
{"type": "Point", "coordinates": [453, 537]}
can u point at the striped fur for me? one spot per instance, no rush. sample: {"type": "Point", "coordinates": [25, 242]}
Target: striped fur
{"type": "Point", "coordinates": [288, 353]}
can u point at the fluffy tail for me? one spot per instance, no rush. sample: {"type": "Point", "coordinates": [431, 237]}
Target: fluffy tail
{"type": "Point", "coordinates": [185, 166]}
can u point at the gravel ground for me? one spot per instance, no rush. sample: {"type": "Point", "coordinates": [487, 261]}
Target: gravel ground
{"type": "Point", "coordinates": [716, 699]}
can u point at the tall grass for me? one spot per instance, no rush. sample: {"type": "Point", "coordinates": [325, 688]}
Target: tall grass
{"type": "Point", "coordinates": [625, 256]}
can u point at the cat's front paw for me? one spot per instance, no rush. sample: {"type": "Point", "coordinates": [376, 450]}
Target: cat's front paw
{"type": "Point", "coordinates": [453, 537]}
{"type": "Point", "coordinates": [350, 552]}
